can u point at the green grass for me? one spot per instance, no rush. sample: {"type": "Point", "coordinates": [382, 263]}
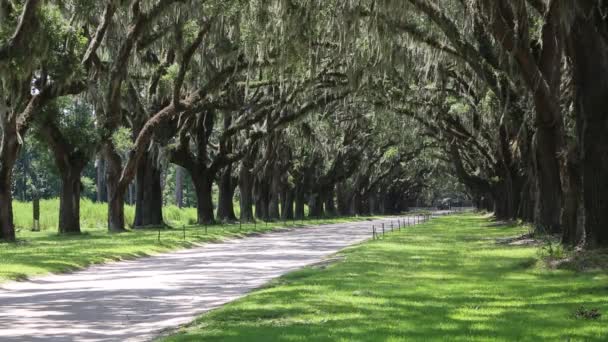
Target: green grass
{"type": "Point", "coordinates": [447, 280]}
{"type": "Point", "coordinates": [38, 253]}
{"type": "Point", "coordinates": [92, 215]}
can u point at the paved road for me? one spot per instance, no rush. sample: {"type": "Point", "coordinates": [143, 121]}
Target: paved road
{"type": "Point", "coordinates": [136, 300]}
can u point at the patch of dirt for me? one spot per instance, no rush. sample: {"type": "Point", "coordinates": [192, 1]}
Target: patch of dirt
{"type": "Point", "coordinates": [588, 314]}
{"type": "Point", "coordinates": [582, 260]}
{"type": "Point", "coordinates": [522, 240]}
{"type": "Point", "coordinates": [501, 224]}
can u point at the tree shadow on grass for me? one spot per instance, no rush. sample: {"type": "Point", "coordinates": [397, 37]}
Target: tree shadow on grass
{"type": "Point", "coordinates": [445, 282]}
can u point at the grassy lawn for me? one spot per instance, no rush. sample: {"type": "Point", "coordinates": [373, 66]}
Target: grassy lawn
{"type": "Point", "coordinates": [39, 253]}
{"type": "Point", "coordinates": [447, 280]}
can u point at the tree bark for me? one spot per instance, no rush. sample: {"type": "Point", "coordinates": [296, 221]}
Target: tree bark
{"type": "Point", "coordinates": [225, 205]}
{"type": "Point", "coordinates": [589, 51]}
{"type": "Point", "coordinates": [149, 195]}
{"type": "Point", "coordinates": [116, 195]}
{"type": "Point", "coordinates": [69, 201]}
{"type": "Point", "coordinates": [300, 199]}
{"type": "Point", "coordinates": [70, 161]}
{"type": "Point", "coordinates": [548, 178]}
{"type": "Point", "coordinates": [102, 193]}
{"type": "Point", "coordinates": [287, 202]}
{"type": "Point", "coordinates": [36, 212]}
{"type": "Point", "coordinates": [344, 201]}
{"type": "Point", "coordinates": [203, 185]}
{"type": "Point", "coordinates": [10, 151]}
{"type": "Point", "coordinates": [246, 192]}
{"type": "Point", "coordinates": [315, 206]}
{"type": "Point", "coordinates": [7, 228]}
{"type": "Point", "coordinates": [262, 198]}
{"type": "Point", "coordinates": [330, 203]}
{"type": "Point", "coordinates": [275, 191]}
{"type": "Point", "coordinates": [179, 186]}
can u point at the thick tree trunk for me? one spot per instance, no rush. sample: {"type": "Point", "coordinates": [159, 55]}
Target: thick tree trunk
{"type": "Point", "coordinates": [526, 207]}
{"type": "Point", "coordinates": [330, 204]}
{"type": "Point", "coordinates": [36, 212]}
{"type": "Point", "coordinates": [102, 192]}
{"type": "Point", "coordinates": [548, 178]}
{"type": "Point", "coordinates": [315, 205]}
{"type": "Point", "coordinates": [287, 202]}
{"type": "Point", "coordinates": [69, 201]}
{"type": "Point", "coordinates": [381, 208]}
{"type": "Point", "coordinates": [225, 205]}
{"type": "Point", "coordinates": [571, 198]}
{"type": "Point", "coordinates": [589, 52]}
{"type": "Point", "coordinates": [343, 200]}
{"type": "Point", "coordinates": [149, 195]}
{"type": "Point", "coordinates": [300, 200]}
{"type": "Point", "coordinates": [373, 204]}
{"type": "Point", "coordinates": [70, 162]}
{"type": "Point", "coordinates": [180, 176]}
{"type": "Point", "coordinates": [275, 192]}
{"type": "Point", "coordinates": [7, 228]}
{"type": "Point", "coordinates": [246, 191]}
{"type": "Point", "coordinates": [116, 195]}
{"type": "Point", "coordinates": [9, 155]}
{"type": "Point", "coordinates": [261, 200]}
{"type": "Point", "coordinates": [203, 185]}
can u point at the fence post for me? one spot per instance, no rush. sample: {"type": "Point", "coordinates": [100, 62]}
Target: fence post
{"type": "Point", "coordinates": [184, 229]}
{"type": "Point", "coordinates": [382, 229]}
{"type": "Point", "coordinates": [158, 234]}
{"type": "Point", "coordinates": [374, 232]}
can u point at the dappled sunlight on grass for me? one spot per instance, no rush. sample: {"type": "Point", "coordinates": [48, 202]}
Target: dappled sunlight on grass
{"type": "Point", "coordinates": [444, 280]}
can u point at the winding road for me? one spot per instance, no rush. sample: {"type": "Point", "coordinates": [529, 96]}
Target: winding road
{"type": "Point", "coordinates": [136, 300]}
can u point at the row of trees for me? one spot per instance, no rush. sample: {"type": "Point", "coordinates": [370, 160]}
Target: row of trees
{"type": "Point", "coordinates": [519, 102]}
{"type": "Point", "coordinates": [263, 97]}
{"type": "Point", "coordinates": [344, 105]}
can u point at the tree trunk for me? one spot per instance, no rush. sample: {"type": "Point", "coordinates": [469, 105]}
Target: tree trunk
{"type": "Point", "coordinates": [315, 205]}
{"type": "Point", "coordinates": [36, 211]}
{"type": "Point", "coordinates": [261, 200]}
{"type": "Point", "coordinates": [225, 205]}
{"type": "Point", "coordinates": [275, 191]}
{"type": "Point", "coordinates": [116, 195]}
{"type": "Point", "coordinates": [343, 200]}
{"type": "Point", "coordinates": [69, 201]}
{"type": "Point", "coordinates": [203, 185]}
{"type": "Point", "coordinates": [571, 198]}
{"type": "Point", "coordinates": [102, 193]}
{"type": "Point", "coordinates": [589, 52]}
{"type": "Point", "coordinates": [548, 178]}
{"type": "Point", "coordinates": [330, 204]}
{"type": "Point", "coordinates": [246, 191]}
{"type": "Point", "coordinates": [9, 155]}
{"type": "Point", "coordinates": [149, 195]}
{"type": "Point", "coordinates": [372, 204]}
{"type": "Point", "coordinates": [179, 186]}
{"type": "Point", "coordinates": [287, 205]}
{"type": "Point", "coordinates": [300, 198]}
{"type": "Point", "coordinates": [7, 228]}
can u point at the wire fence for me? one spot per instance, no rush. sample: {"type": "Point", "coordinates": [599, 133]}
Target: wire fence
{"type": "Point", "coordinates": [421, 215]}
